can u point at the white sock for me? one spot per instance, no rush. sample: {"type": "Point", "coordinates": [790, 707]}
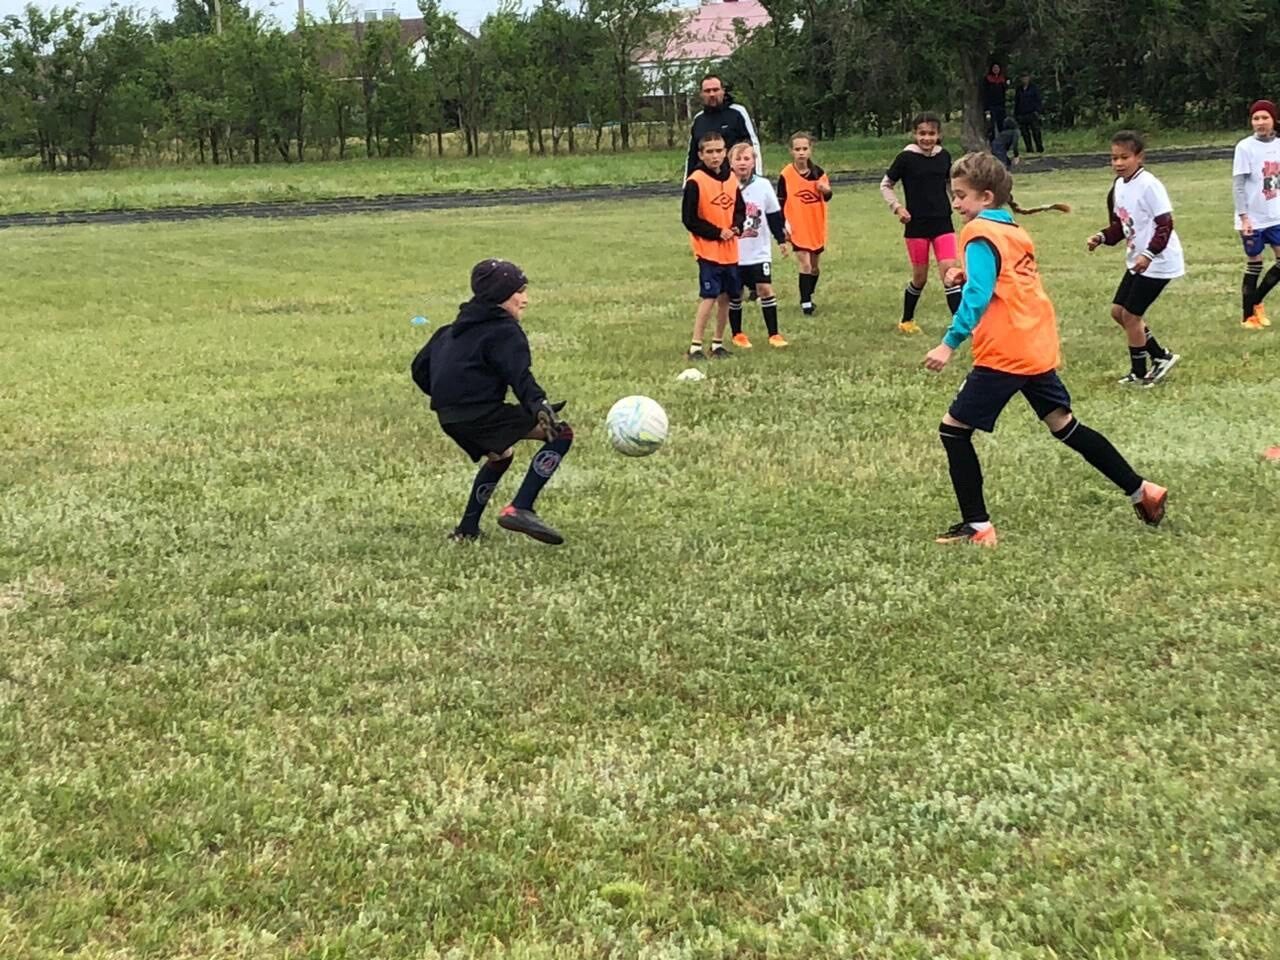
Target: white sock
{"type": "Point", "coordinates": [1136, 496]}
{"type": "Point", "coordinates": [981, 525]}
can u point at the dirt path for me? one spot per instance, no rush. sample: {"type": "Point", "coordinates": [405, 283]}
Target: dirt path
{"type": "Point", "coordinates": [396, 204]}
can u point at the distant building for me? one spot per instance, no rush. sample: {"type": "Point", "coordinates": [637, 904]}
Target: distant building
{"type": "Point", "coordinates": [706, 35]}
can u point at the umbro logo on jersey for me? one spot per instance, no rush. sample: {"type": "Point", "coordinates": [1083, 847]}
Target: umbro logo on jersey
{"type": "Point", "coordinates": [1026, 266]}
{"type": "Point", "coordinates": [809, 196]}
{"type": "Point", "coordinates": [723, 200]}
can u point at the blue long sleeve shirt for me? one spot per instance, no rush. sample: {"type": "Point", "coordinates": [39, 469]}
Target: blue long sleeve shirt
{"type": "Point", "coordinates": [980, 269]}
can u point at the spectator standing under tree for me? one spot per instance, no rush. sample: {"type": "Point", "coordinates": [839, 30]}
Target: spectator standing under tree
{"type": "Point", "coordinates": [995, 88]}
{"type": "Point", "coordinates": [721, 115]}
{"type": "Point", "coordinates": [1027, 107]}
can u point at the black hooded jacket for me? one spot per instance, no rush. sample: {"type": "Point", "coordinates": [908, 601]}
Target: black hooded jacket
{"type": "Point", "coordinates": [730, 121]}
{"type": "Point", "coordinates": [467, 366]}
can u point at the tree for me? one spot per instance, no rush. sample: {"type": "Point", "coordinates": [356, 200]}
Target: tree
{"type": "Point", "coordinates": [627, 26]}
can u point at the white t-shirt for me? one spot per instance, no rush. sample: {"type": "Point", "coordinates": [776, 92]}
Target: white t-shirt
{"type": "Point", "coordinates": [1260, 161]}
{"type": "Point", "coordinates": [1137, 204]}
{"type": "Point", "coordinates": [756, 244]}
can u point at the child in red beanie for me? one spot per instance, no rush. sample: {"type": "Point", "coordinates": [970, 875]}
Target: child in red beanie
{"type": "Point", "coordinates": [1255, 175]}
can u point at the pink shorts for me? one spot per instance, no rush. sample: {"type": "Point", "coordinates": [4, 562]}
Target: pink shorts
{"type": "Point", "coordinates": [944, 248]}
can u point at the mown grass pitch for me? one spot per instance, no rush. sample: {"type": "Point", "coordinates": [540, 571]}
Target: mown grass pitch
{"type": "Point", "coordinates": [253, 705]}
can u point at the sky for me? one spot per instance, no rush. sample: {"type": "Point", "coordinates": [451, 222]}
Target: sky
{"type": "Point", "coordinates": [470, 12]}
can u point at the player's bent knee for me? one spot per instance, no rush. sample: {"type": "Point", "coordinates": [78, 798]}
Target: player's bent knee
{"type": "Point", "coordinates": [1060, 422]}
{"type": "Point", "coordinates": [1117, 313]}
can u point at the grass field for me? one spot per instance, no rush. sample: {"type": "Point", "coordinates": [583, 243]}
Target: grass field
{"type": "Point", "coordinates": [23, 189]}
{"type": "Point", "coordinates": [253, 705]}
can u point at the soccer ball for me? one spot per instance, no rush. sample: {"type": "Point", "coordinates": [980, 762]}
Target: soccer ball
{"type": "Point", "coordinates": [637, 426]}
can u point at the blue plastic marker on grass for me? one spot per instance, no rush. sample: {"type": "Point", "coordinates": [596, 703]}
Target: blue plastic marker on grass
{"type": "Point", "coordinates": [419, 321]}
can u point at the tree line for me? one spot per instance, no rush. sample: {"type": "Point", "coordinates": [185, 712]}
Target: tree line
{"type": "Point", "coordinates": [218, 83]}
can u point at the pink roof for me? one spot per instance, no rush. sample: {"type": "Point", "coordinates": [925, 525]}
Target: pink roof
{"type": "Point", "coordinates": [708, 32]}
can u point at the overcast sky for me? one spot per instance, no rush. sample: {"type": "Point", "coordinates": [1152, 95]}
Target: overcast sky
{"type": "Point", "coordinates": [470, 12]}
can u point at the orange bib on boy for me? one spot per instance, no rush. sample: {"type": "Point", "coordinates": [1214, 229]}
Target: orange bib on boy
{"type": "Point", "coordinates": [716, 201]}
{"type": "Point", "coordinates": [805, 210]}
{"type": "Point", "coordinates": [1018, 333]}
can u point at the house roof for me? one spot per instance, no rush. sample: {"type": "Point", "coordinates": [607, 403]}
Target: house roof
{"type": "Point", "coordinates": [708, 31]}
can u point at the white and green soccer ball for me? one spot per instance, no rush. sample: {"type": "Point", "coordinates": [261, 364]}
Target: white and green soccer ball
{"type": "Point", "coordinates": [637, 426]}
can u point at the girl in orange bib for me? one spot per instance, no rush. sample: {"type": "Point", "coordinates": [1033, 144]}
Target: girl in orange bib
{"type": "Point", "coordinates": [1004, 307]}
{"type": "Point", "coordinates": [804, 191]}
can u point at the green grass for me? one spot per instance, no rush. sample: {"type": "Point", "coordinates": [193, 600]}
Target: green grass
{"type": "Point", "coordinates": [23, 189]}
{"type": "Point", "coordinates": [252, 705]}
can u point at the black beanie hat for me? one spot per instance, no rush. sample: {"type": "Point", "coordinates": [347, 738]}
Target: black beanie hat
{"type": "Point", "coordinates": [493, 281]}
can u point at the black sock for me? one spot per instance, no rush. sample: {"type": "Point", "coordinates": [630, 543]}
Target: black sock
{"type": "Point", "coordinates": [769, 307]}
{"type": "Point", "coordinates": [1138, 361]}
{"type": "Point", "coordinates": [807, 282]}
{"type": "Point", "coordinates": [735, 317]}
{"type": "Point", "coordinates": [966, 472]}
{"type": "Point", "coordinates": [953, 299]}
{"type": "Point", "coordinates": [1102, 456]}
{"type": "Point", "coordinates": [545, 462]}
{"type": "Point", "coordinates": [1154, 350]}
{"type": "Point", "coordinates": [910, 300]}
{"type": "Point", "coordinates": [813, 284]}
{"type": "Point", "coordinates": [481, 490]}
{"type": "Point", "coordinates": [1269, 281]}
{"type": "Point", "coordinates": [1249, 288]}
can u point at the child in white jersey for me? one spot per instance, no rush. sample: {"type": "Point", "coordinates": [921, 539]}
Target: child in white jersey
{"type": "Point", "coordinates": [1141, 217]}
{"type": "Point", "coordinates": [1255, 177]}
{"type": "Point", "coordinates": [755, 251]}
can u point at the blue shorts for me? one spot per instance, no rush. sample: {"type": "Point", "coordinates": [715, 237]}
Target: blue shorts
{"type": "Point", "coordinates": [1261, 239]}
{"type": "Point", "coordinates": [717, 278]}
{"type": "Point", "coordinates": [986, 392]}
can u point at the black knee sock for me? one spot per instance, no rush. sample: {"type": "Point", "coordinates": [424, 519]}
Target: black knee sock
{"type": "Point", "coordinates": [807, 282]}
{"type": "Point", "coordinates": [1269, 281]}
{"type": "Point", "coordinates": [1249, 288]}
{"type": "Point", "coordinates": [1138, 361]}
{"type": "Point", "coordinates": [953, 299]}
{"type": "Point", "coordinates": [735, 316]}
{"type": "Point", "coordinates": [769, 307]}
{"type": "Point", "coordinates": [1154, 350]}
{"type": "Point", "coordinates": [966, 472]}
{"type": "Point", "coordinates": [1102, 456]}
{"type": "Point", "coordinates": [545, 463]}
{"type": "Point", "coordinates": [910, 300]}
{"type": "Point", "coordinates": [481, 490]}
{"type": "Point", "coordinates": [813, 284]}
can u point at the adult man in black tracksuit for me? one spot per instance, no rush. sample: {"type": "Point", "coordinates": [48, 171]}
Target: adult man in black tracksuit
{"type": "Point", "coordinates": [729, 119]}
{"type": "Point", "coordinates": [1027, 106]}
{"type": "Point", "coordinates": [466, 368]}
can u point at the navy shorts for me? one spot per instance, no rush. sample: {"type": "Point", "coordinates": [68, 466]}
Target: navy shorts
{"type": "Point", "coordinates": [986, 392]}
{"type": "Point", "coordinates": [1137, 292]}
{"type": "Point", "coordinates": [1260, 240]}
{"type": "Point", "coordinates": [492, 432]}
{"type": "Point", "coordinates": [751, 274]}
{"type": "Point", "coordinates": [717, 278]}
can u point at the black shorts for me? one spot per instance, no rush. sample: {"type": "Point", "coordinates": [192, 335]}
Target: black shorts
{"type": "Point", "coordinates": [715, 279]}
{"type": "Point", "coordinates": [753, 273]}
{"type": "Point", "coordinates": [986, 392]}
{"type": "Point", "coordinates": [492, 432]}
{"type": "Point", "coordinates": [808, 249]}
{"type": "Point", "coordinates": [1137, 292]}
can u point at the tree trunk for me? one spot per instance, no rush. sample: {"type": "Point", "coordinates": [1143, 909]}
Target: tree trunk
{"type": "Point", "coordinates": [213, 144]}
{"type": "Point", "coordinates": [973, 67]}
{"type": "Point", "coordinates": [282, 147]}
{"type": "Point", "coordinates": [257, 147]}
{"type": "Point", "coordinates": [573, 140]}
{"type": "Point", "coordinates": [439, 141]}
{"type": "Point", "coordinates": [342, 133]}
{"type": "Point", "coordinates": [201, 141]}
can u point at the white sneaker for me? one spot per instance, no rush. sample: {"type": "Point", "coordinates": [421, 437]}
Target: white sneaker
{"type": "Point", "coordinates": [1161, 368]}
{"type": "Point", "coordinates": [1131, 379]}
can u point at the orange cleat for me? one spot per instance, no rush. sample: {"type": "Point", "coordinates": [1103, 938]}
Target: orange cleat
{"type": "Point", "coordinates": [1150, 506]}
{"type": "Point", "coordinates": [742, 341]}
{"type": "Point", "coordinates": [965, 533]}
